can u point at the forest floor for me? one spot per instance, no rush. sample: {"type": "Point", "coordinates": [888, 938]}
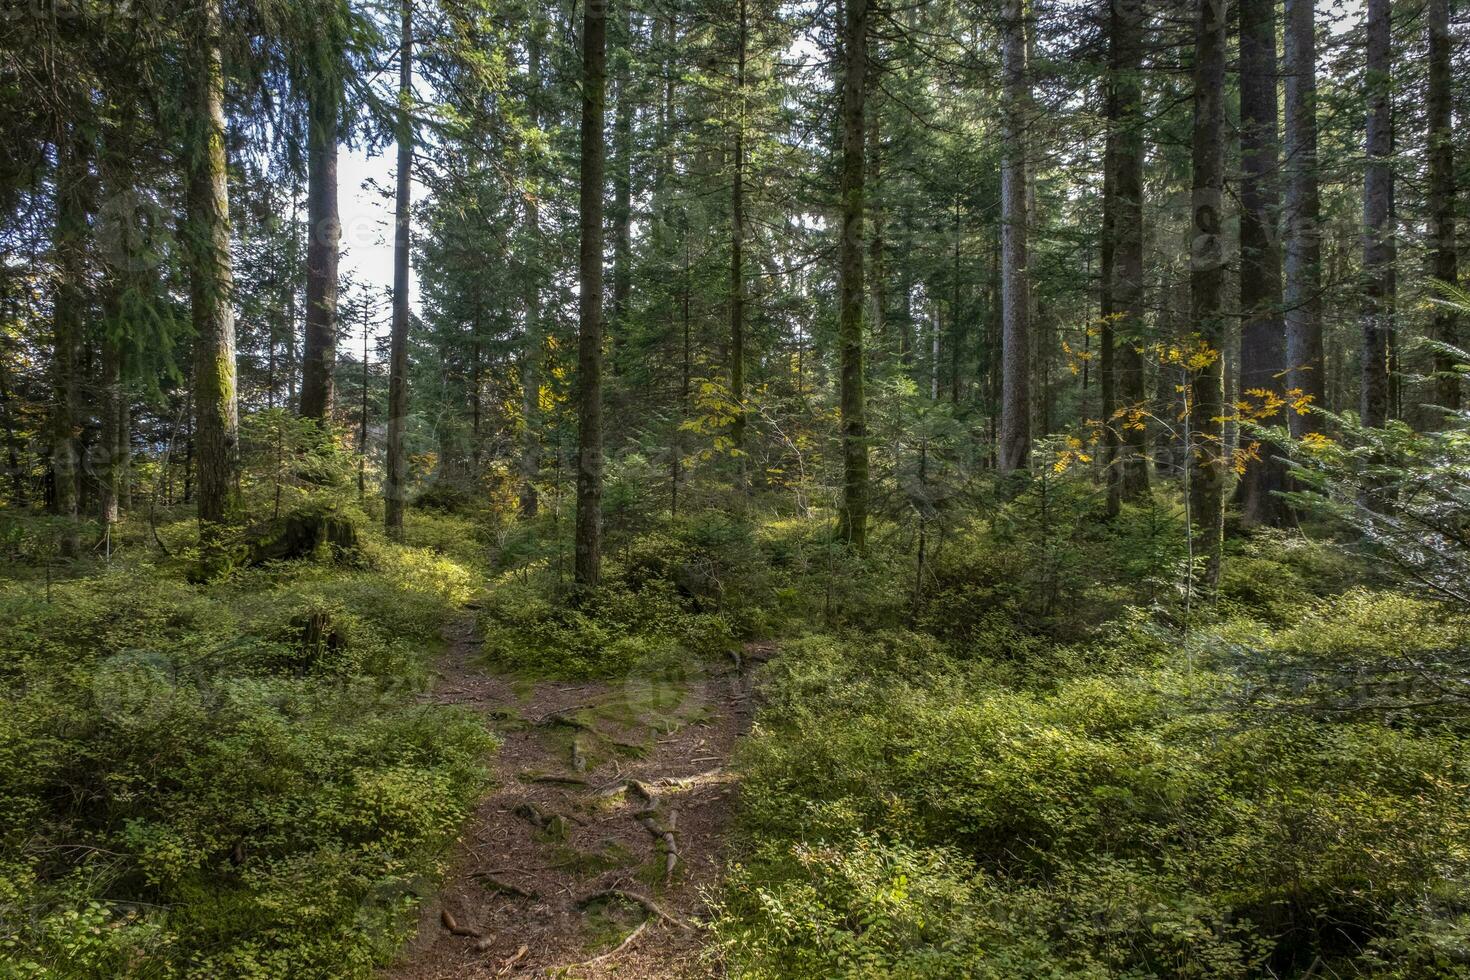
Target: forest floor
{"type": "Point", "coordinates": [603, 839]}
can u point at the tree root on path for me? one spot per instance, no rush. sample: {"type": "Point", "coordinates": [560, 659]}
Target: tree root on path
{"type": "Point", "coordinates": [454, 929]}
{"type": "Point", "coordinates": [567, 718]}
{"type": "Point", "coordinates": [642, 901]}
{"type": "Point", "coordinates": [493, 883]}
{"type": "Point", "coordinates": [507, 964]}
{"type": "Point", "coordinates": [627, 941]}
{"type": "Point", "coordinates": [664, 834]}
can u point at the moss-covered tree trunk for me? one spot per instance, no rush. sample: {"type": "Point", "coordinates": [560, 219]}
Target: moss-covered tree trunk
{"type": "Point", "coordinates": [319, 357]}
{"type": "Point", "coordinates": [216, 436]}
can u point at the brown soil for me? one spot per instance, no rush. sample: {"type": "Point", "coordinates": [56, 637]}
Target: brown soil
{"type": "Point", "coordinates": [563, 823]}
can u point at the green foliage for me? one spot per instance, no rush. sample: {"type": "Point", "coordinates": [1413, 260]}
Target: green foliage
{"type": "Point", "coordinates": [231, 782]}
{"type": "Point", "coordinates": [911, 818]}
{"type": "Point", "coordinates": [616, 632]}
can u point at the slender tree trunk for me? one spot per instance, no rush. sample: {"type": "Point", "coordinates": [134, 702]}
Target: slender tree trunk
{"type": "Point", "coordinates": [319, 356]}
{"type": "Point", "coordinates": [1107, 370]}
{"type": "Point", "coordinates": [1378, 238]}
{"type": "Point", "coordinates": [956, 324]}
{"type": "Point", "coordinates": [1443, 258]}
{"type": "Point", "coordinates": [877, 323]}
{"type": "Point", "coordinates": [1207, 276]}
{"type": "Point", "coordinates": [1128, 277]}
{"type": "Point", "coordinates": [853, 523]}
{"type": "Point", "coordinates": [531, 343]}
{"type": "Point", "coordinates": [1306, 369]}
{"type": "Point", "coordinates": [216, 435]}
{"type": "Point", "coordinates": [737, 253]}
{"type": "Point", "coordinates": [395, 487]}
{"type": "Point", "coordinates": [1263, 332]}
{"type": "Point", "coordinates": [588, 565]}
{"type": "Point", "coordinates": [111, 446]}
{"type": "Point", "coordinates": [68, 309]}
{"type": "Point", "coordinates": [1015, 399]}
{"type": "Point", "coordinates": [622, 285]}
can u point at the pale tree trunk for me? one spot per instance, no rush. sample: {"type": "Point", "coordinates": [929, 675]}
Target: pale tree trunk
{"type": "Point", "coordinates": [1208, 464]}
{"type": "Point", "coordinates": [68, 309]}
{"type": "Point", "coordinates": [531, 343]}
{"type": "Point", "coordinates": [1443, 258]}
{"type": "Point", "coordinates": [1263, 331]}
{"type": "Point", "coordinates": [216, 428]}
{"type": "Point", "coordinates": [319, 353]}
{"type": "Point", "coordinates": [588, 563]}
{"type": "Point", "coordinates": [853, 522]}
{"type": "Point", "coordinates": [396, 487]}
{"type": "Point", "coordinates": [1303, 295]}
{"type": "Point", "coordinates": [1015, 399]}
{"type": "Point", "coordinates": [737, 252]}
{"type": "Point", "coordinates": [1378, 239]}
{"type": "Point", "coordinates": [1127, 289]}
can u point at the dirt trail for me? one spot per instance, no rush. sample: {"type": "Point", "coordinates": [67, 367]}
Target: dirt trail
{"type": "Point", "coordinates": [606, 794]}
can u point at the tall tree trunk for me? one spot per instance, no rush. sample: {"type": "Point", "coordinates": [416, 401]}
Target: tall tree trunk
{"type": "Point", "coordinates": [878, 325]}
{"type": "Point", "coordinates": [396, 486]}
{"type": "Point", "coordinates": [1015, 399]}
{"type": "Point", "coordinates": [530, 463]}
{"type": "Point", "coordinates": [737, 253]}
{"type": "Point", "coordinates": [1443, 260]}
{"type": "Point", "coordinates": [1306, 369]}
{"type": "Point", "coordinates": [67, 310]}
{"type": "Point", "coordinates": [216, 435]}
{"type": "Point", "coordinates": [1207, 276]}
{"type": "Point", "coordinates": [1263, 331]}
{"type": "Point", "coordinates": [588, 565]}
{"type": "Point", "coordinates": [1107, 369]}
{"type": "Point", "coordinates": [622, 285]}
{"type": "Point", "coordinates": [1127, 272]}
{"type": "Point", "coordinates": [111, 445]}
{"type": "Point", "coordinates": [853, 522]}
{"type": "Point", "coordinates": [319, 355]}
{"type": "Point", "coordinates": [1378, 238]}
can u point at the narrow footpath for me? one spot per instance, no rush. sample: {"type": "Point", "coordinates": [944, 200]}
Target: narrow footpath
{"type": "Point", "coordinates": [604, 834]}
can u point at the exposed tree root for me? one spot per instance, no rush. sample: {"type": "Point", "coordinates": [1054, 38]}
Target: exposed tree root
{"type": "Point", "coordinates": [642, 901]}
{"type": "Point", "coordinates": [566, 718]}
{"type": "Point", "coordinates": [447, 920]}
{"type": "Point", "coordinates": [567, 780]}
{"type": "Point", "coordinates": [496, 884]}
{"type": "Point", "coordinates": [507, 964]}
{"type": "Point", "coordinates": [627, 941]}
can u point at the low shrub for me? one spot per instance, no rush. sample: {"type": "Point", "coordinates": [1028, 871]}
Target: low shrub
{"type": "Point", "coordinates": [226, 781]}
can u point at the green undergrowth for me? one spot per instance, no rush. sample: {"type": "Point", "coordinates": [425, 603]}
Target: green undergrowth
{"type": "Point", "coordinates": [231, 780]}
{"type": "Point", "coordinates": [1110, 779]}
